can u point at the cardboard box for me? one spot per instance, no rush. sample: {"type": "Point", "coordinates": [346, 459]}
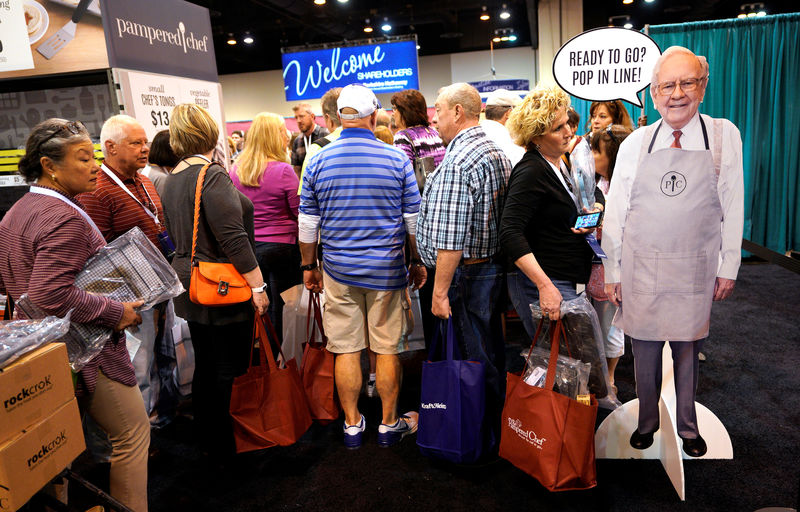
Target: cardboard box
{"type": "Point", "coordinates": [37, 454]}
{"type": "Point", "coordinates": [33, 387]}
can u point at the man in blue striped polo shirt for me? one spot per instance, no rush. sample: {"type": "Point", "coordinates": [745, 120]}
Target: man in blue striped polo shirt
{"type": "Point", "coordinates": [360, 199]}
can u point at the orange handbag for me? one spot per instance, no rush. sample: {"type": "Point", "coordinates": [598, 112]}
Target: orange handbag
{"type": "Point", "coordinates": [213, 284]}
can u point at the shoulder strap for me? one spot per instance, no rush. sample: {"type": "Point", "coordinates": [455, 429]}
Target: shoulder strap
{"type": "Point", "coordinates": [322, 141]}
{"type": "Point", "coordinates": [411, 140]}
{"type": "Point", "coordinates": [716, 150]}
{"type": "Point", "coordinates": [198, 191]}
{"type": "Point", "coordinates": [648, 135]}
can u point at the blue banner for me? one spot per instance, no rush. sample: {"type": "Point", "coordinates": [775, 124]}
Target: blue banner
{"type": "Point", "coordinates": [385, 67]}
{"type": "Point", "coordinates": [514, 84]}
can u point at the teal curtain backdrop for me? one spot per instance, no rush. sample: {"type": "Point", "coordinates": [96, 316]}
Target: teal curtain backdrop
{"type": "Point", "coordinates": [754, 80]}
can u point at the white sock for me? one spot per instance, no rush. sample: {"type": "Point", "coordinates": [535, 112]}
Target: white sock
{"type": "Point", "coordinates": [372, 377]}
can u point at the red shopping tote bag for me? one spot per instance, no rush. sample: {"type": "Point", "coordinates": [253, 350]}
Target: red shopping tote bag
{"type": "Point", "coordinates": [548, 435]}
{"type": "Point", "coordinates": [317, 368]}
{"type": "Point", "coordinates": [268, 405]}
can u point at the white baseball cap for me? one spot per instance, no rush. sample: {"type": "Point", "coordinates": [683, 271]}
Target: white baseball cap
{"type": "Point", "coordinates": [358, 97]}
{"type": "Point", "coordinates": [502, 98]}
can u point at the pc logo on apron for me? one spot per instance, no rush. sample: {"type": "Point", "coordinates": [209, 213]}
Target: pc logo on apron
{"type": "Point", "coordinates": [673, 183]}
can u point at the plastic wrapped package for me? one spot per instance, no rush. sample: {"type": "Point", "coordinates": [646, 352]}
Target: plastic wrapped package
{"type": "Point", "coordinates": [582, 163]}
{"type": "Point", "coordinates": [572, 376]}
{"type": "Point", "coordinates": [17, 337]}
{"type": "Point", "coordinates": [128, 269]}
{"type": "Point", "coordinates": [585, 338]}
{"type": "Point", "coordinates": [83, 341]}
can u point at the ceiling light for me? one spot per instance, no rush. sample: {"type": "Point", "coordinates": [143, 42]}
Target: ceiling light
{"type": "Point", "coordinates": [504, 14]}
{"type": "Point", "coordinates": [231, 40]}
{"type": "Point", "coordinates": [761, 13]}
{"type": "Point", "coordinates": [742, 15]}
{"type": "Point", "coordinates": [418, 47]}
{"type": "Point", "coordinates": [319, 2]}
{"type": "Point", "coordinates": [342, 1]}
{"type": "Point", "coordinates": [484, 14]}
{"type": "Point", "coordinates": [512, 38]}
{"type": "Point", "coordinates": [626, 2]}
{"type": "Point", "coordinates": [628, 25]}
{"type": "Point", "coordinates": [386, 27]}
{"type": "Point", "coordinates": [367, 26]}
{"type": "Point", "coordinates": [752, 10]}
{"type": "Point", "coordinates": [248, 40]}
{"type": "Point", "coordinates": [649, 1]}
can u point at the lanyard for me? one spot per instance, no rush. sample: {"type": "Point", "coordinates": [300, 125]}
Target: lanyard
{"type": "Point", "coordinates": [562, 177]}
{"type": "Point", "coordinates": [52, 193]}
{"type": "Point", "coordinates": [147, 210]}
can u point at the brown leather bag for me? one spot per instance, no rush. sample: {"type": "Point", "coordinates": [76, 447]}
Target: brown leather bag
{"type": "Point", "coordinates": [213, 284]}
{"type": "Point", "coordinates": [548, 435]}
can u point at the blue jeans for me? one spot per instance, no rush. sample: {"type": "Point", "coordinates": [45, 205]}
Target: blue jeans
{"type": "Point", "coordinates": [280, 266]}
{"type": "Point", "coordinates": [523, 293]}
{"type": "Point", "coordinates": [474, 299]}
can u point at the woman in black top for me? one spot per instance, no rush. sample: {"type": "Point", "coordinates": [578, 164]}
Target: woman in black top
{"type": "Point", "coordinates": [536, 229]}
{"type": "Point", "coordinates": [221, 335]}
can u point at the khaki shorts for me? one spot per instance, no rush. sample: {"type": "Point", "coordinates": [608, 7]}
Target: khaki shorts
{"type": "Point", "coordinates": [347, 307]}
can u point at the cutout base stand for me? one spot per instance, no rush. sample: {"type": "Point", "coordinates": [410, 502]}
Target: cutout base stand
{"type": "Point", "coordinates": [612, 439]}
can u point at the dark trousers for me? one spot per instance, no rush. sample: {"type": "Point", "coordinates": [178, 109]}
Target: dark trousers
{"type": "Point", "coordinates": [647, 367]}
{"type": "Point", "coordinates": [474, 300]}
{"type": "Point", "coordinates": [280, 266]}
{"type": "Point", "coordinates": [221, 354]}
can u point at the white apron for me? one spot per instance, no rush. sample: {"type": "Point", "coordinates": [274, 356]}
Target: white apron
{"type": "Point", "coordinates": [671, 242]}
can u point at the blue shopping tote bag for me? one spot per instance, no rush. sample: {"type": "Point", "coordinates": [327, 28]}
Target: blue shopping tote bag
{"type": "Point", "coordinates": [453, 402]}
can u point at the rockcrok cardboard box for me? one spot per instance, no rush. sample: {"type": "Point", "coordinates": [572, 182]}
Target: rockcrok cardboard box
{"type": "Point", "coordinates": [36, 455]}
{"type": "Point", "coordinates": [33, 387]}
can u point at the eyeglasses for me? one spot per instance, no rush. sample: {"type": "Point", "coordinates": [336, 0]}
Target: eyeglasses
{"type": "Point", "coordinates": [73, 127]}
{"type": "Point", "coordinates": [687, 85]}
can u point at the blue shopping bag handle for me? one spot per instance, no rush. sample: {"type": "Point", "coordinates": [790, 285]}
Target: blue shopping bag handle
{"type": "Point", "coordinates": [451, 344]}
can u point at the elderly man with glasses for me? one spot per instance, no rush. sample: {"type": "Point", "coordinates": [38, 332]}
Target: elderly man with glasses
{"type": "Point", "coordinates": [672, 233]}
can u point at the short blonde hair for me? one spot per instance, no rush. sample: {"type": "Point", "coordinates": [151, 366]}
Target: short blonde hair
{"type": "Point", "coordinates": [192, 130]}
{"type": "Point", "coordinates": [264, 145]}
{"type": "Point", "coordinates": [536, 114]}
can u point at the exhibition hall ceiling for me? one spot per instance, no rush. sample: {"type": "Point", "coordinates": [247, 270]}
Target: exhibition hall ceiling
{"type": "Point", "coordinates": [441, 26]}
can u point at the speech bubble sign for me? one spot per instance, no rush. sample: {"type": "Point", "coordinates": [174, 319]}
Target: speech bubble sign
{"type": "Point", "coordinates": [606, 64]}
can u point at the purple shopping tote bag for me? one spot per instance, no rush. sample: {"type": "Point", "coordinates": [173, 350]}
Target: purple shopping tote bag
{"type": "Point", "coordinates": [453, 402]}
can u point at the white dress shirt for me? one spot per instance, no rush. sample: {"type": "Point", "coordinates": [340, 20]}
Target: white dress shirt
{"type": "Point", "coordinates": [498, 133]}
{"type": "Point", "coordinates": [730, 188]}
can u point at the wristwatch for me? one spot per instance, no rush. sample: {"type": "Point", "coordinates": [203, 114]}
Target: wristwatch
{"type": "Point", "coordinates": [310, 266]}
{"type": "Point", "coordinates": [259, 289]}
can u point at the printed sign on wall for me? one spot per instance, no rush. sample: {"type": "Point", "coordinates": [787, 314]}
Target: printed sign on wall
{"type": "Point", "coordinates": [15, 35]}
{"type": "Point", "coordinates": [384, 67]}
{"type": "Point", "coordinates": [171, 37]}
{"type": "Point", "coordinates": [150, 98]}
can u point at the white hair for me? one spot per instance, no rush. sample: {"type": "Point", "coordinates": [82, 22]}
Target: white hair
{"type": "Point", "coordinates": [114, 130]}
{"type": "Point", "coordinates": [672, 50]}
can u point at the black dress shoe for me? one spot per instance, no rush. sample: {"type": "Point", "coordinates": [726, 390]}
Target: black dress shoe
{"type": "Point", "coordinates": [694, 447]}
{"type": "Point", "coordinates": [641, 441]}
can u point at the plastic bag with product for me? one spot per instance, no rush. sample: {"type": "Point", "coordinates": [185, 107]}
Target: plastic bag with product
{"type": "Point", "coordinates": [572, 376]}
{"type": "Point", "coordinates": [582, 163]}
{"type": "Point", "coordinates": [18, 337]}
{"type": "Point", "coordinates": [585, 337]}
{"type": "Point", "coordinates": [128, 269]}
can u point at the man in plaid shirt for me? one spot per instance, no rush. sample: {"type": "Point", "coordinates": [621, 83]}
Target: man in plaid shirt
{"type": "Point", "coordinates": [458, 235]}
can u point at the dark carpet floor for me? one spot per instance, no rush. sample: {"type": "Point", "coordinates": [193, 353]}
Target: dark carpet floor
{"type": "Point", "coordinates": [751, 381]}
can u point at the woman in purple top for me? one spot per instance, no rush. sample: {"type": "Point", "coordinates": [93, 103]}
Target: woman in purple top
{"type": "Point", "coordinates": [263, 174]}
{"type": "Point", "coordinates": [45, 240]}
{"type": "Point", "coordinates": [415, 136]}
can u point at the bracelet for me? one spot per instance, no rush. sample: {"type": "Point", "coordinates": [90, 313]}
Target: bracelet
{"type": "Point", "coordinates": [260, 289]}
{"type": "Point", "coordinates": [310, 266]}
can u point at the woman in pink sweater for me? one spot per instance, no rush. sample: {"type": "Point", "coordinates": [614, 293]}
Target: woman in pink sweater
{"type": "Point", "coordinates": [263, 174]}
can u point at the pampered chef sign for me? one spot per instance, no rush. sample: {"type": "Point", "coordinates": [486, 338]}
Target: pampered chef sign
{"type": "Point", "coordinates": [171, 37]}
{"type": "Point", "coordinates": [384, 67]}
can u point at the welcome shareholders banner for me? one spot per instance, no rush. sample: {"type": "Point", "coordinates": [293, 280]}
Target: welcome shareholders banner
{"type": "Point", "coordinates": [383, 67]}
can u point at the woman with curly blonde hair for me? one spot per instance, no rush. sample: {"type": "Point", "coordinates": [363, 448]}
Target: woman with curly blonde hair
{"type": "Point", "coordinates": [263, 174]}
{"type": "Point", "coordinates": [536, 229]}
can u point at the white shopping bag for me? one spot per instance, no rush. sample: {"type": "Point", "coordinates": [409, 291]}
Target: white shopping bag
{"type": "Point", "coordinates": [416, 336]}
{"type": "Point", "coordinates": [295, 315]}
{"type": "Point", "coordinates": [184, 355]}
